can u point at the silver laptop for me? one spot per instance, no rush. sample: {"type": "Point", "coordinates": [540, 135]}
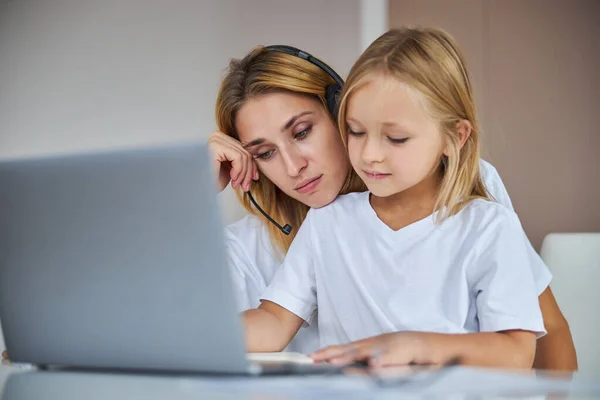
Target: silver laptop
{"type": "Point", "coordinates": [116, 259]}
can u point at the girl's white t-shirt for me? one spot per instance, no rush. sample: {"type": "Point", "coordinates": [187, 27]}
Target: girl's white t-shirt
{"type": "Point", "coordinates": [254, 261]}
{"type": "Point", "coordinates": [469, 274]}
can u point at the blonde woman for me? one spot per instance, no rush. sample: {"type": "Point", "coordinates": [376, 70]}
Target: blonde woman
{"type": "Point", "coordinates": [425, 250]}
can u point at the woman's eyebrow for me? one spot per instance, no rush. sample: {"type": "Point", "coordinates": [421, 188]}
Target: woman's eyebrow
{"type": "Point", "coordinates": [289, 124]}
{"type": "Point", "coordinates": [253, 143]}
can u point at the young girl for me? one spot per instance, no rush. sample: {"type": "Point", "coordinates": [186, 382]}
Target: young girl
{"type": "Point", "coordinates": [424, 252]}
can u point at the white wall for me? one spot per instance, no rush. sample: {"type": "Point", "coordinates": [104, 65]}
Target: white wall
{"type": "Point", "coordinates": [374, 21]}
{"type": "Point", "coordinates": [535, 67]}
{"type": "Point", "coordinates": [91, 74]}
{"type": "Point", "coordinates": [83, 74]}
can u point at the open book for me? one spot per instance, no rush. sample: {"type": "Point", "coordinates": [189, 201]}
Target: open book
{"type": "Point", "coordinates": [287, 357]}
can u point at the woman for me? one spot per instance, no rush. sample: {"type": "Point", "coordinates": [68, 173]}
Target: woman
{"type": "Point", "coordinates": [273, 118]}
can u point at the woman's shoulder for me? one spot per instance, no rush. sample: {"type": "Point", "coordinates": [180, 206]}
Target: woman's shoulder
{"type": "Point", "coordinates": [490, 176]}
{"type": "Point", "coordinates": [249, 238]}
{"type": "Point", "coordinates": [494, 184]}
{"type": "Point", "coordinates": [248, 225]}
{"type": "Point", "coordinates": [483, 219]}
{"type": "Point", "coordinates": [485, 211]}
{"type": "Point", "coordinates": [487, 169]}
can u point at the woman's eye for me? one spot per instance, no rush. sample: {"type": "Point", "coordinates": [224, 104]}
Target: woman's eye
{"type": "Point", "coordinates": [266, 155]}
{"type": "Point", "coordinates": [398, 140]}
{"type": "Point", "coordinates": [303, 134]}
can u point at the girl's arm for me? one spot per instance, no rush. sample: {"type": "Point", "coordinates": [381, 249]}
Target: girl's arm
{"type": "Point", "coordinates": [270, 327]}
{"type": "Point", "coordinates": [507, 349]}
{"type": "Point", "coordinates": [289, 300]}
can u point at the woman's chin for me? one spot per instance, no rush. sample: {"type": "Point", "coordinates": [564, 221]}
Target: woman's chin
{"type": "Point", "coordinates": [318, 200]}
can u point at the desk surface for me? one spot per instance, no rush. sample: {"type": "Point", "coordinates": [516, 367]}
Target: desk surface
{"type": "Point", "coordinates": [20, 384]}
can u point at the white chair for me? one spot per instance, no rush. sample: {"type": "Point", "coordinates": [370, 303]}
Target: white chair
{"type": "Point", "coordinates": [1, 340]}
{"type": "Point", "coordinates": [574, 260]}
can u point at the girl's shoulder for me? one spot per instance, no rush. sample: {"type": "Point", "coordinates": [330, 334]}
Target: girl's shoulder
{"type": "Point", "coordinates": [346, 203]}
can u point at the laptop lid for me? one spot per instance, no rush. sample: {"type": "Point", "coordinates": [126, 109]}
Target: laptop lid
{"type": "Point", "coordinates": [116, 259]}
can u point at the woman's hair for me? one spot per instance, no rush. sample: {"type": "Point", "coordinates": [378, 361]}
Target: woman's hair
{"type": "Point", "coordinates": [430, 63]}
{"type": "Point", "coordinates": [260, 72]}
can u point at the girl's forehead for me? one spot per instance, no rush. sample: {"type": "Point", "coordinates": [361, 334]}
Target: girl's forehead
{"type": "Point", "coordinates": [384, 97]}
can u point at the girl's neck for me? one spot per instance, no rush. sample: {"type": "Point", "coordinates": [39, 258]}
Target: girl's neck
{"type": "Point", "coordinates": [411, 205]}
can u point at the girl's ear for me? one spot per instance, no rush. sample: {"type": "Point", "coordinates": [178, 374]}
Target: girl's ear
{"type": "Point", "coordinates": [463, 131]}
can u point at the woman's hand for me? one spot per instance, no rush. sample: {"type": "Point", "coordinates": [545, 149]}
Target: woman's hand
{"type": "Point", "coordinates": [232, 162]}
{"type": "Point", "coordinates": [399, 348]}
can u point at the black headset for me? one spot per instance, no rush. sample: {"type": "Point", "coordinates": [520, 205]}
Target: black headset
{"type": "Point", "coordinates": [333, 91]}
{"type": "Point", "coordinates": [332, 98]}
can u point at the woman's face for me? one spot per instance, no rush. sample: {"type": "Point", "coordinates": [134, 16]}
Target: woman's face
{"type": "Point", "coordinates": [295, 145]}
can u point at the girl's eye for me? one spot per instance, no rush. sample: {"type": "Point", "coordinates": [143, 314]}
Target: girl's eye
{"type": "Point", "coordinates": [266, 155]}
{"type": "Point", "coordinates": [398, 141]}
{"type": "Point", "coordinates": [353, 133]}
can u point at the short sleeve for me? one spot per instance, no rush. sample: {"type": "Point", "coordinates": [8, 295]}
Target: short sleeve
{"type": "Point", "coordinates": [501, 279]}
{"type": "Point", "coordinates": [294, 285]}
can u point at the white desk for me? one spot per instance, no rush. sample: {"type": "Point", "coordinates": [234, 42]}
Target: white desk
{"type": "Point", "coordinates": [460, 382]}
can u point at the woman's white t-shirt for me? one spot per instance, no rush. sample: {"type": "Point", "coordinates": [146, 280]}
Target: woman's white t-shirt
{"type": "Point", "coordinates": [254, 261]}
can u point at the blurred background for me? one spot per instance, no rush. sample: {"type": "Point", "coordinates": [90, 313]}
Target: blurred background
{"type": "Point", "coordinates": [94, 74]}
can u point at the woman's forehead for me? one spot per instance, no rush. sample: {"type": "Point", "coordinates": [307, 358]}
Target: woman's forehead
{"type": "Point", "coordinates": [268, 114]}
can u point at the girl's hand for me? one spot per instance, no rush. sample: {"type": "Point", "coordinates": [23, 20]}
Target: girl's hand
{"type": "Point", "coordinates": [399, 348]}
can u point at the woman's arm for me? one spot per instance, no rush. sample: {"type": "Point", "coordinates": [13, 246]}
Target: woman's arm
{"type": "Point", "coordinates": [555, 350]}
{"type": "Point", "coordinates": [270, 327]}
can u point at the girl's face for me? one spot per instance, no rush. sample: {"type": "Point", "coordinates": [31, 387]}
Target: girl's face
{"type": "Point", "coordinates": [295, 145]}
{"type": "Point", "coordinates": [393, 143]}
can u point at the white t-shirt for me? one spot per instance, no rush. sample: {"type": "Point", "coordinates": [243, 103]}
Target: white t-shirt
{"type": "Point", "coordinates": [469, 274]}
{"type": "Point", "coordinates": [254, 261]}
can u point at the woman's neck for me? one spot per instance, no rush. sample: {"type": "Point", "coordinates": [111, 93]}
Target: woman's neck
{"type": "Point", "coordinates": [409, 206]}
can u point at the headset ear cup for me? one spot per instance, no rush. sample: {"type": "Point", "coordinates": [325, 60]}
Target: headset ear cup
{"type": "Point", "coordinates": [332, 97]}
